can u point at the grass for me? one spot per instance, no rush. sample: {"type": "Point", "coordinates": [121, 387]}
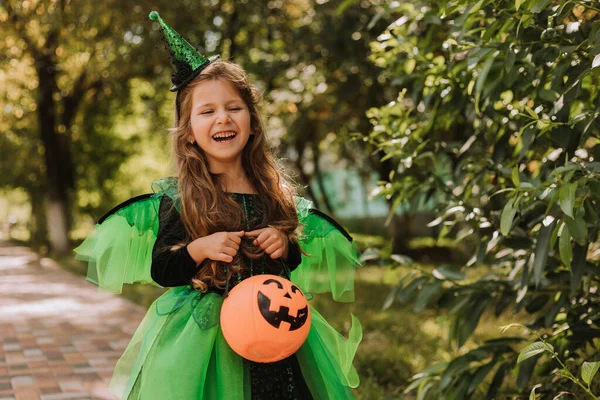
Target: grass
{"type": "Point", "coordinates": [395, 343]}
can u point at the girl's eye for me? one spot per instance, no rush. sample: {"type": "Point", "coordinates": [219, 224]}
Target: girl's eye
{"type": "Point", "coordinates": [206, 112]}
{"type": "Point", "coordinates": [235, 108]}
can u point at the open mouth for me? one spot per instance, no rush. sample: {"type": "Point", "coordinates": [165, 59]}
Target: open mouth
{"type": "Point", "coordinates": [224, 137]}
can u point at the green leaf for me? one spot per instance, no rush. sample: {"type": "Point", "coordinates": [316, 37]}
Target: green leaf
{"type": "Point", "coordinates": [542, 248]}
{"type": "Point", "coordinates": [591, 212]}
{"type": "Point", "coordinates": [510, 60]}
{"type": "Point", "coordinates": [427, 295]}
{"type": "Point", "coordinates": [594, 187]}
{"type": "Point", "coordinates": [415, 384]}
{"type": "Point", "coordinates": [390, 298]}
{"type": "Point", "coordinates": [410, 65]}
{"type": "Point", "coordinates": [532, 394]}
{"type": "Point", "coordinates": [455, 368]}
{"type": "Point", "coordinates": [588, 370]}
{"type": "Point", "coordinates": [577, 265]}
{"type": "Point", "coordinates": [424, 389]}
{"type": "Point", "coordinates": [564, 246]}
{"type": "Point", "coordinates": [525, 371]}
{"type": "Point", "coordinates": [461, 364]}
{"type": "Point", "coordinates": [526, 185]}
{"type": "Point", "coordinates": [554, 236]}
{"type": "Point", "coordinates": [596, 62]}
{"type": "Point", "coordinates": [566, 198]}
{"type": "Point", "coordinates": [550, 315]}
{"type": "Point", "coordinates": [532, 113]}
{"type": "Point", "coordinates": [407, 292]}
{"type": "Point", "coordinates": [518, 4]}
{"type": "Point", "coordinates": [537, 303]}
{"type": "Point", "coordinates": [515, 176]}
{"type": "Point", "coordinates": [548, 95]}
{"type": "Point", "coordinates": [539, 6]}
{"type": "Point", "coordinates": [448, 272]}
{"type": "Point", "coordinates": [578, 229]}
{"type": "Point", "coordinates": [476, 7]}
{"type": "Point", "coordinates": [534, 349]}
{"type": "Point", "coordinates": [508, 215]}
{"type": "Point", "coordinates": [485, 70]}
{"type": "Point", "coordinates": [402, 259]}
{"type": "Point", "coordinates": [501, 372]}
{"type": "Point", "coordinates": [563, 373]}
{"type": "Point", "coordinates": [469, 319]}
{"type": "Point", "coordinates": [480, 375]}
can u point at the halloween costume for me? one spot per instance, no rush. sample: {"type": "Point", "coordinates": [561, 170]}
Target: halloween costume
{"type": "Point", "coordinates": [178, 351]}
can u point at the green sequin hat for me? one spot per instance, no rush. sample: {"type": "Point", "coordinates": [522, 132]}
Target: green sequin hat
{"type": "Point", "coordinates": [187, 60]}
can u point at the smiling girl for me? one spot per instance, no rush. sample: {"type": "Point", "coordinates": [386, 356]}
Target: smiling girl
{"type": "Point", "coordinates": [228, 215]}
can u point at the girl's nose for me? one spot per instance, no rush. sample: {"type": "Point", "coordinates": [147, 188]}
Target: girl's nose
{"type": "Point", "coordinates": [222, 116]}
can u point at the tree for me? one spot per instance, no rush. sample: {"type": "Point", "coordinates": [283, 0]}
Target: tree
{"type": "Point", "coordinates": [65, 72]}
{"type": "Point", "coordinates": [497, 116]}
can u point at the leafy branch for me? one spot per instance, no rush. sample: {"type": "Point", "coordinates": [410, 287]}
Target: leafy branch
{"type": "Point", "coordinates": [588, 369]}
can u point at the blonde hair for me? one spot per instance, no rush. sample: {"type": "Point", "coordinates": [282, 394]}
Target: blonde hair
{"type": "Point", "coordinates": [205, 207]}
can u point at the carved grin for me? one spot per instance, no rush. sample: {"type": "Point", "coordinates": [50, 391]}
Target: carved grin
{"type": "Point", "coordinates": [275, 318]}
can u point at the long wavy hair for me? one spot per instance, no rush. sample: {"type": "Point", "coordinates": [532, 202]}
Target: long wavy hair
{"type": "Point", "coordinates": [205, 207]}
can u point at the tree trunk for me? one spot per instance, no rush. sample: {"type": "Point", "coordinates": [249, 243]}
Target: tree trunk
{"type": "Point", "coordinates": [303, 176]}
{"type": "Point", "coordinates": [319, 177]}
{"type": "Point", "coordinates": [37, 225]}
{"type": "Point", "coordinates": [400, 228]}
{"type": "Point", "coordinates": [58, 168]}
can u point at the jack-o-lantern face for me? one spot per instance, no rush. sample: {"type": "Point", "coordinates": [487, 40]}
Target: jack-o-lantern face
{"type": "Point", "coordinates": [265, 318]}
{"type": "Point", "coordinates": [279, 304]}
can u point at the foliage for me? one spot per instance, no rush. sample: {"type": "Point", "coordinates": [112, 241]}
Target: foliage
{"type": "Point", "coordinates": [497, 119]}
{"type": "Point", "coordinates": [588, 369]}
{"type": "Point", "coordinates": [65, 78]}
{"type": "Point", "coordinates": [108, 67]}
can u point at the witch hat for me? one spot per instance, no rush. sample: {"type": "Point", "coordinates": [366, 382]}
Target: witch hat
{"type": "Point", "coordinates": [187, 60]}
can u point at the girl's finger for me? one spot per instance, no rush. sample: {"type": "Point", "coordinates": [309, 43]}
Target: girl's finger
{"type": "Point", "coordinates": [234, 237]}
{"type": "Point", "coordinates": [277, 253]}
{"type": "Point", "coordinates": [254, 232]}
{"type": "Point", "coordinates": [262, 237]}
{"type": "Point", "coordinates": [268, 242]}
{"type": "Point", "coordinates": [224, 257]}
{"type": "Point", "coordinates": [233, 244]}
{"type": "Point", "coordinates": [229, 251]}
{"type": "Point", "coordinates": [271, 249]}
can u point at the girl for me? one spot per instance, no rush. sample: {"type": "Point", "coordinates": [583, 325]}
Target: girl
{"type": "Point", "coordinates": [227, 216]}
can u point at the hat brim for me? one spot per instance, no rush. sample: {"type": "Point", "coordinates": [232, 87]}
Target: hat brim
{"type": "Point", "coordinates": [195, 73]}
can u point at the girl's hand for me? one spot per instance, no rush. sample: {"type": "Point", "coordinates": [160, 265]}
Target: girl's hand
{"type": "Point", "coordinates": [220, 246]}
{"type": "Point", "coordinates": [272, 241]}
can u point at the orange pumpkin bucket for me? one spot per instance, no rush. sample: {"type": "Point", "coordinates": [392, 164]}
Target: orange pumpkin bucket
{"type": "Point", "coordinates": [265, 318]}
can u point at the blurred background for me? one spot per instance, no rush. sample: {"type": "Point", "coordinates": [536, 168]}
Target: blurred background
{"type": "Point", "coordinates": [458, 141]}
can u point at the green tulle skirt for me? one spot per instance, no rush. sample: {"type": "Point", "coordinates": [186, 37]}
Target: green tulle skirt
{"type": "Point", "coordinates": [179, 352]}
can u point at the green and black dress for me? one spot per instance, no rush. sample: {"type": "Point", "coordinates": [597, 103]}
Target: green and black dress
{"type": "Point", "coordinates": [178, 351]}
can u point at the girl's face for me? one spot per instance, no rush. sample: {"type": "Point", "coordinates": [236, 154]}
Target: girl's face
{"type": "Point", "coordinates": [220, 122]}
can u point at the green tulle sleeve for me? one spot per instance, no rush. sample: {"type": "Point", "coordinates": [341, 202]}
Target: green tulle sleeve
{"type": "Point", "coordinates": [119, 250]}
{"type": "Point", "coordinates": [331, 257]}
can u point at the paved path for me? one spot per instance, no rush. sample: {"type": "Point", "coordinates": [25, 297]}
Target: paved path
{"type": "Point", "coordinates": [59, 336]}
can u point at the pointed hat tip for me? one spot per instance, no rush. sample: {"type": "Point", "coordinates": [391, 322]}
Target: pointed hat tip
{"type": "Point", "coordinates": [154, 16]}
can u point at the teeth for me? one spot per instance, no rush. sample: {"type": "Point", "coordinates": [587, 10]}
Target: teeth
{"type": "Point", "coordinates": [222, 135]}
